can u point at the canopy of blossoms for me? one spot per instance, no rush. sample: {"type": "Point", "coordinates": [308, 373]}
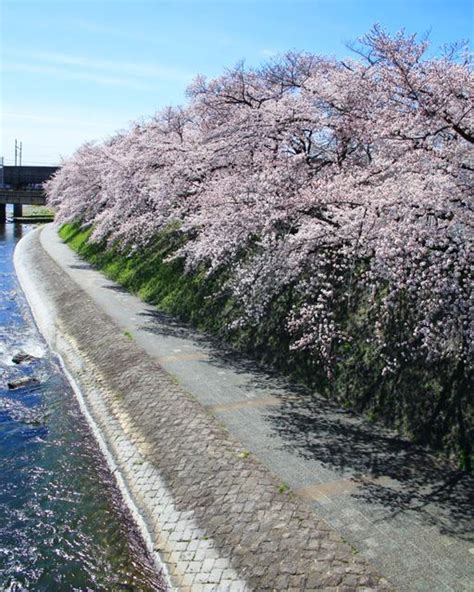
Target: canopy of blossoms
{"type": "Point", "coordinates": [337, 181]}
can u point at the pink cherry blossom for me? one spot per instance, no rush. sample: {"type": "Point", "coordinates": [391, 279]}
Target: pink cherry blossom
{"type": "Point", "coordinates": [332, 179]}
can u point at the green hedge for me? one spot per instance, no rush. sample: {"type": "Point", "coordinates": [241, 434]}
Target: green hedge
{"type": "Point", "coordinates": [429, 403]}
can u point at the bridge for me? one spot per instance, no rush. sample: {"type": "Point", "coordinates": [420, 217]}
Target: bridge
{"type": "Point", "coordinates": [22, 185]}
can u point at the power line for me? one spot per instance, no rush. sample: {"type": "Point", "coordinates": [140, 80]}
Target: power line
{"type": "Point", "coordinates": [9, 162]}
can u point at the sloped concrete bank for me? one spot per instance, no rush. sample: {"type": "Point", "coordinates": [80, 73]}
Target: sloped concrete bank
{"type": "Point", "coordinates": [214, 515]}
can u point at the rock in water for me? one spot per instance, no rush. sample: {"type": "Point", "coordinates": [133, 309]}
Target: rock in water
{"type": "Point", "coordinates": [19, 382]}
{"type": "Point", "coordinates": [22, 356]}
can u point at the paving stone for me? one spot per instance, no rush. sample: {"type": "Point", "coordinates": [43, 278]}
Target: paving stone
{"type": "Point", "coordinates": [215, 575]}
{"type": "Point", "coordinates": [217, 517]}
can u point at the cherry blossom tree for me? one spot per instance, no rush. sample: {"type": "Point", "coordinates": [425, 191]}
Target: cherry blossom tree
{"type": "Point", "coordinates": [346, 184]}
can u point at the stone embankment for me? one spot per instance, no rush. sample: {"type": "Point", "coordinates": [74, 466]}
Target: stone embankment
{"type": "Point", "coordinates": [214, 516]}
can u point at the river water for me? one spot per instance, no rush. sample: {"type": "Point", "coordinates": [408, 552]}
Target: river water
{"type": "Point", "coordinates": [63, 525]}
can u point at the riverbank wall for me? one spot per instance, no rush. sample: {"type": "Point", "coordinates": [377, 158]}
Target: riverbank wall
{"type": "Point", "coordinates": [215, 518]}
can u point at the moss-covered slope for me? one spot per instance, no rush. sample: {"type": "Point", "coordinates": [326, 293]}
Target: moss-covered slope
{"type": "Point", "coordinates": [429, 403]}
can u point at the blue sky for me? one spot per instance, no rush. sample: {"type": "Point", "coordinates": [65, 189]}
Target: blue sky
{"type": "Point", "coordinates": [73, 71]}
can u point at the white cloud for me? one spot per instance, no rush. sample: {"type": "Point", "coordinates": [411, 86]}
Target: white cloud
{"type": "Point", "coordinates": [105, 70]}
{"type": "Point", "coordinates": [51, 119]}
{"type": "Point", "coordinates": [101, 29]}
{"type": "Point", "coordinates": [50, 130]}
{"type": "Point", "coordinates": [69, 74]}
{"type": "Point", "coordinates": [268, 53]}
{"type": "Point", "coordinates": [44, 139]}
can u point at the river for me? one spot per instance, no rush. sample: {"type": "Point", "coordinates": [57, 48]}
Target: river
{"type": "Point", "coordinates": [63, 524]}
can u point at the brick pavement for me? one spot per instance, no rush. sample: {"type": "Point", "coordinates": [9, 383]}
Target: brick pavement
{"type": "Point", "coordinates": [218, 518]}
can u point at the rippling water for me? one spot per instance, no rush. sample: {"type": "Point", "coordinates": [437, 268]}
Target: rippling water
{"type": "Point", "coordinates": [63, 526]}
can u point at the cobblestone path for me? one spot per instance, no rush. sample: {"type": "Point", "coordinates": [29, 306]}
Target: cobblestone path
{"type": "Point", "coordinates": [218, 518]}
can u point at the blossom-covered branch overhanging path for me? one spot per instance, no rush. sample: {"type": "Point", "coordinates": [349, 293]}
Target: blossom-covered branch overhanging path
{"type": "Point", "coordinates": [322, 212]}
{"type": "Point", "coordinates": [407, 513]}
{"type": "Point", "coordinates": [330, 202]}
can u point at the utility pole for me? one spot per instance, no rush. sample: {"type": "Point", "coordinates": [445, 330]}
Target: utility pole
{"type": "Point", "coordinates": [18, 152]}
{"type": "Point", "coordinates": [17, 207]}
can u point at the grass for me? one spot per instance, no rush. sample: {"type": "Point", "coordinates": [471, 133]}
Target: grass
{"type": "Point", "coordinates": [283, 488]}
{"type": "Point", "coordinates": [148, 275]}
{"type": "Point", "coordinates": [37, 211]}
{"type": "Point", "coordinates": [403, 401]}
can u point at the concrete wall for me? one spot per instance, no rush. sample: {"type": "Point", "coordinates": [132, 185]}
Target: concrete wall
{"type": "Point", "coordinates": [31, 197]}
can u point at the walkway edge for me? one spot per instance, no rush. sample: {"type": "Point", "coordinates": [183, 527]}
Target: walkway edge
{"type": "Point", "coordinates": [217, 519]}
{"type": "Point", "coordinates": [44, 311]}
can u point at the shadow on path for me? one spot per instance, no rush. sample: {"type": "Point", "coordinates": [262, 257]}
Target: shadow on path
{"type": "Point", "coordinates": [395, 477]}
{"type": "Point", "coordinates": [392, 473]}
